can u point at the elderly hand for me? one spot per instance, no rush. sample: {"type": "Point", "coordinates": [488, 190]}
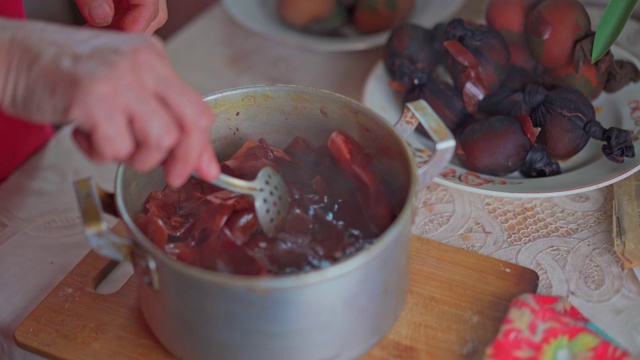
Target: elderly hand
{"type": "Point", "coordinates": [140, 16]}
{"type": "Point", "coordinates": [119, 89]}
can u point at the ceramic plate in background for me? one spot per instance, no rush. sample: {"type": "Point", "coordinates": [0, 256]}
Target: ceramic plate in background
{"type": "Point", "coordinates": [261, 17]}
{"type": "Point", "coordinates": [587, 170]}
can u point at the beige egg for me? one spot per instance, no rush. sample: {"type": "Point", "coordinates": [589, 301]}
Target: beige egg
{"type": "Point", "coordinates": [300, 13]}
{"type": "Point", "coordinates": [372, 16]}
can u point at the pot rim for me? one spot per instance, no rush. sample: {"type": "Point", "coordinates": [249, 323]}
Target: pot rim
{"type": "Point", "coordinates": [295, 279]}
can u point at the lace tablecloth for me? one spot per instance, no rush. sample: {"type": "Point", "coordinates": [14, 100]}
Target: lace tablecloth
{"type": "Point", "coordinates": [567, 240]}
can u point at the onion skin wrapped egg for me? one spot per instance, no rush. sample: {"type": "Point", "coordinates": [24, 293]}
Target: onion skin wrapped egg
{"type": "Point", "coordinates": [567, 121]}
{"type": "Point", "coordinates": [410, 55]}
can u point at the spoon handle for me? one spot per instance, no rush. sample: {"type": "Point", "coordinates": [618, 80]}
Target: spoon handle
{"type": "Point", "coordinates": [232, 183]}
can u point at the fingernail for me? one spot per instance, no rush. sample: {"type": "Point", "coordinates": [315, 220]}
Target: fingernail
{"type": "Point", "coordinates": [101, 14]}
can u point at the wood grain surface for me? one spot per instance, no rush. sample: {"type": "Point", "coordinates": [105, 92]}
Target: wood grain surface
{"type": "Point", "coordinates": [456, 303]}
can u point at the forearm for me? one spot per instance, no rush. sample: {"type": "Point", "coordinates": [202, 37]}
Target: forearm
{"type": "Point", "coordinates": [42, 66]}
{"type": "Point", "coordinates": [22, 46]}
{"type": "Point", "coordinates": [119, 89]}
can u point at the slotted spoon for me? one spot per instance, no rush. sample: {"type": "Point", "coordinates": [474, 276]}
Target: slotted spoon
{"type": "Point", "coordinates": [270, 195]}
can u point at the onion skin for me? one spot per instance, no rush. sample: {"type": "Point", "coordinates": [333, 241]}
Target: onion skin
{"type": "Point", "coordinates": [553, 27]}
{"type": "Point", "coordinates": [478, 59]}
{"type": "Point", "coordinates": [618, 145]}
{"type": "Point", "coordinates": [354, 161]}
{"type": "Point", "coordinates": [615, 74]}
{"type": "Point", "coordinates": [619, 74]}
{"type": "Point", "coordinates": [539, 163]}
{"type": "Point", "coordinates": [496, 146]}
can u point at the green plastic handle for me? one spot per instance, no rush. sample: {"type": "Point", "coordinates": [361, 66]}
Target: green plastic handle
{"type": "Point", "coordinates": [613, 21]}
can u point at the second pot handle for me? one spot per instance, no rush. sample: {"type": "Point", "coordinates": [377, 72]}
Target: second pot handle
{"type": "Point", "coordinates": [93, 203]}
{"type": "Point", "coordinates": [419, 112]}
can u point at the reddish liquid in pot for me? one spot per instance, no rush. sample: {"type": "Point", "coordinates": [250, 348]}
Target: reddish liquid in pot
{"type": "Point", "coordinates": [338, 207]}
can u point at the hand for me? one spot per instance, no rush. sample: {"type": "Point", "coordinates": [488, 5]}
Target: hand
{"type": "Point", "coordinates": [119, 89]}
{"type": "Point", "coordinates": [139, 16]}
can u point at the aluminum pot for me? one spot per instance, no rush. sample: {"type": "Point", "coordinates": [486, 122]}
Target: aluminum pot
{"type": "Point", "coordinates": [338, 312]}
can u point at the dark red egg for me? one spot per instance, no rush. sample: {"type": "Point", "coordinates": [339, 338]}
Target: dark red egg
{"type": "Point", "coordinates": [508, 16]}
{"type": "Point", "coordinates": [588, 79]}
{"type": "Point", "coordinates": [552, 29]}
{"type": "Point", "coordinates": [495, 146]}
{"type": "Point", "coordinates": [521, 56]}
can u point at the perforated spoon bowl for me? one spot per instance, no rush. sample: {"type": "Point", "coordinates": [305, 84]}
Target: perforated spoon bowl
{"type": "Point", "coordinates": [270, 195]}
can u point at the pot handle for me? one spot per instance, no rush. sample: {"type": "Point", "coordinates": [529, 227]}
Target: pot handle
{"type": "Point", "coordinates": [419, 112]}
{"type": "Point", "coordinates": [93, 202]}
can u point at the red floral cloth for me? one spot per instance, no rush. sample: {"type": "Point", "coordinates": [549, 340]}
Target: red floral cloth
{"type": "Point", "coordinates": [18, 139]}
{"type": "Point", "coordinates": [548, 327]}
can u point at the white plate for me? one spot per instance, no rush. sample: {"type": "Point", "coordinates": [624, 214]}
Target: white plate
{"type": "Point", "coordinates": [587, 170]}
{"type": "Point", "coordinates": [260, 16]}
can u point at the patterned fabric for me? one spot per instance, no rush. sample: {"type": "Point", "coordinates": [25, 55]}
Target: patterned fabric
{"type": "Point", "coordinates": [549, 327]}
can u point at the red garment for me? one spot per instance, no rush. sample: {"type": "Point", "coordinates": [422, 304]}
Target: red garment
{"type": "Point", "coordinates": [18, 139]}
{"type": "Point", "coordinates": [12, 9]}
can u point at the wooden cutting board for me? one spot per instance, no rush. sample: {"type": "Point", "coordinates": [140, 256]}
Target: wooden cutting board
{"type": "Point", "coordinates": [457, 300]}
